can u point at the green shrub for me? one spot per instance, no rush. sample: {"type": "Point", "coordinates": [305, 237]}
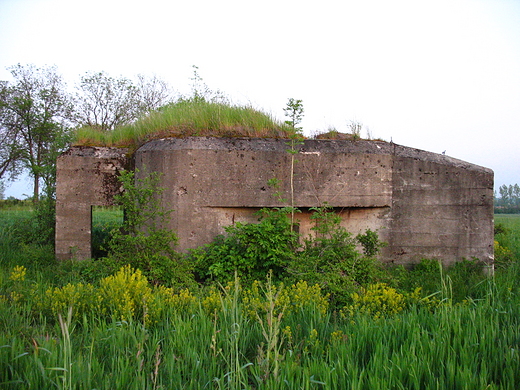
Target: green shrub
{"type": "Point", "coordinates": [331, 260]}
{"type": "Point", "coordinates": [85, 271]}
{"type": "Point", "coordinates": [252, 249]}
{"type": "Point", "coordinates": [371, 243]}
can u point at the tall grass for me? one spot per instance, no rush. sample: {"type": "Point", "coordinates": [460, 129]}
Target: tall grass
{"type": "Point", "coordinates": [104, 221]}
{"type": "Point", "coordinates": [189, 118]}
{"type": "Point", "coordinates": [511, 237]}
{"type": "Point", "coordinates": [222, 345]}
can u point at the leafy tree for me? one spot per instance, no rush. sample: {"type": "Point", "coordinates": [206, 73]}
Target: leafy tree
{"type": "Point", "coordinates": [9, 151]}
{"type": "Point", "coordinates": [105, 102]}
{"type": "Point", "coordinates": [509, 201]}
{"type": "Point", "coordinates": [34, 113]}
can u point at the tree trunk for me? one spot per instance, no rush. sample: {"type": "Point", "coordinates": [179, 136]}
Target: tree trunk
{"type": "Point", "coordinates": [36, 189]}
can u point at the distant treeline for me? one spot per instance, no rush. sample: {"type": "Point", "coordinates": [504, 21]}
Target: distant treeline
{"type": "Point", "coordinates": [509, 200]}
{"type": "Point", "coordinates": [12, 201]}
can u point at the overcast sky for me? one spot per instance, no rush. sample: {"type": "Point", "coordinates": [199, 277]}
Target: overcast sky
{"type": "Point", "coordinates": [439, 75]}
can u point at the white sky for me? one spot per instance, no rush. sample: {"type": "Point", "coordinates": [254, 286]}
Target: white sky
{"type": "Point", "coordinates": [440, 75]}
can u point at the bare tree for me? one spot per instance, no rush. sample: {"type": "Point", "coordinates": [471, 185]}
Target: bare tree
{"type": "Point", "coordinates": [153, 93]}
{"type": "Point", "coordinates": [105, 102]}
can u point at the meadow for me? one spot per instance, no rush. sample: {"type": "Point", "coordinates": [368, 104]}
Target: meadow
{"type": "Point", "coordinates": [85, 326]}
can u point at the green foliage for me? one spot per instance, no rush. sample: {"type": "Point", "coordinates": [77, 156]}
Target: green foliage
{"type": "Point", "coordinates": [20, 242]}
{"type": "Point", "coordinates": [34, 226]}
{"type": "Point", "coordinates": [34, 109]}
{"type": "Point", "coordinates": [458, 282]}
{"type": "Point", "coordinates": [425, 274]}
{"type": "Point", "coordinates": [371, 243]}
{"type": "Point", "coordinates": [326, 221]}
{"type": "Point", "coordinates": [509, 201]}
{"type": "Point", "coordinates": [294, 111]}
{"type": "Point", "coordinates": [500, 228]}
{"type": "Point", "coordinates": [331, 260]}
{"type": "Point", "coordinates": [126, 333]}
{"type": "Point", "coordinates": [467, 280]}
{"type": "Point", "coordinates": [504, 257]}
{"type": "Point", "coordinates": [45, 220]}
{"type": "Point", "coordinates": [250, 249]}
{"type": "Point", "coordinates": [507, 240]}
{"type": "Point", "coordinates": [144, 241]}
{"type": "Point", "coordinates": [104, 221]}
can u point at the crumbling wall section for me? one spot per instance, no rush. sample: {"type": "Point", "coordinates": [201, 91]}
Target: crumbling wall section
{"type": "Point", "coordinates": [85, 177]}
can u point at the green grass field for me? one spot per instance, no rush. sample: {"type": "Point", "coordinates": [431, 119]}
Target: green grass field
{"type": "Point", "coordinates": [124, 333]}
{"type": "Point", "coordinates": [511, 239]}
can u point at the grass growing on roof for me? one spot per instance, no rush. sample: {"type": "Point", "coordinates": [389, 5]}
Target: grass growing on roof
{"type": "Point", "coordinates": [187, 118]}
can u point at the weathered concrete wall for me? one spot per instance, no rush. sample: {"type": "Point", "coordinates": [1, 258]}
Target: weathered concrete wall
{"type": "Point", "coordinates": [85, 177]}
{"type": "Point", "coordinates": [441, 208]}
{"type": "Point", "coordinates": [422, 204]}
{"type": "Point", "coordinates": [213, 182]}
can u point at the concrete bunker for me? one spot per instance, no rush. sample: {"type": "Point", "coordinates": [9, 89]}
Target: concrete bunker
{"type": "Point", "coordinates": [424, 205]}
